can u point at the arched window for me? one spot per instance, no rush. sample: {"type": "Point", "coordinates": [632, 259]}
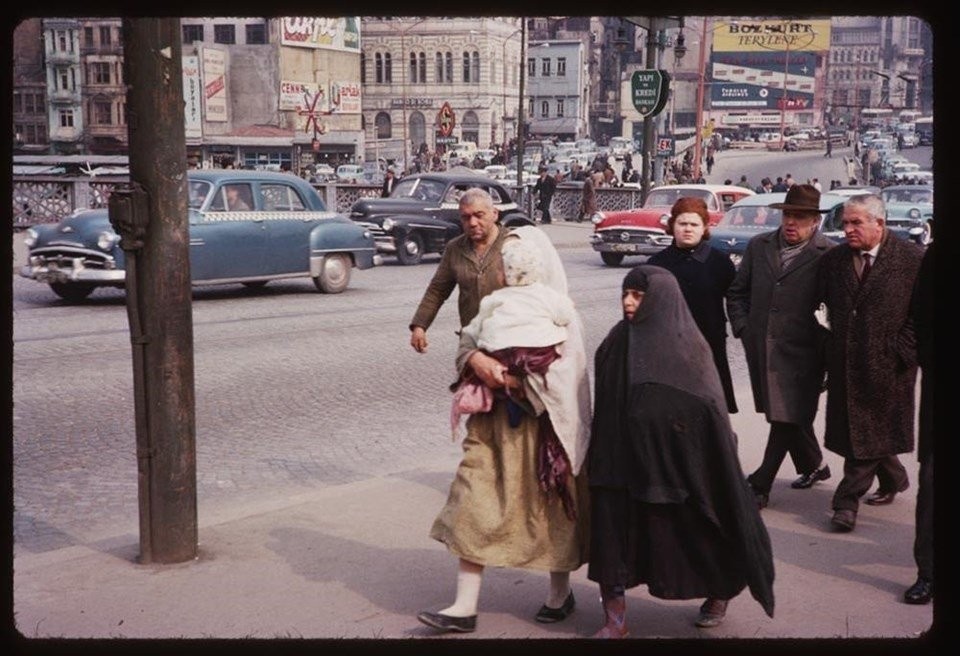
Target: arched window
{"type": "Point", "coordinates": [423, 66]}
{"type": "Point", "coordinates": [475, 67]}
{"type": "Point", "coordinates": [466, 66]}
{"type": "Point", "coordinates": [387, 68]}
{"type": "Point", "coordinates": [544, 108]}
{"type": "Point", "coordinates": [384, 128]}
{"type": "Point", "coordinates": [448, 60]}
{"type": "Point", "coordinates": [412, 73]}
{"type": "Point", "coordinates": [418, 129]}
{"type": "Point", "coordinates": [378, 62]}
{"type": "Point", "coordinates": [438, 72]}
{"type": "Point", "coordinates": [418, 67]}
{"type": "Point", "coordinates": [470, 127]}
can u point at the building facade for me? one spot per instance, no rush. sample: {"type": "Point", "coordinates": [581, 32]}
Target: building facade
{"type": "Point", "coordinates": [414, 67]}
{"type": "Point", "coordinates": [556, 82]}
{"type": "Point", "coordinates": [65, 118]}
{"type": "Point", "coordinates": [30, 118]}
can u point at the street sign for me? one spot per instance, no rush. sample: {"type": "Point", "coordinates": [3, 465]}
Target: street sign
{"type": "Point", "coordinates": [649, 89]}
{"type": "Point", "coordinates": [666, 147]}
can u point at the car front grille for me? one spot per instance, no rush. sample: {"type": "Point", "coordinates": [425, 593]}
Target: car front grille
{"type": "Point", "coordinates": [634, 236]}
{"type": "Point", "coordinates": [64, 258]}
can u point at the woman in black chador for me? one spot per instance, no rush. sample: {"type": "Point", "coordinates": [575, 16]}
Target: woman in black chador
{"type": "Point", "coordinates": [670, 506]}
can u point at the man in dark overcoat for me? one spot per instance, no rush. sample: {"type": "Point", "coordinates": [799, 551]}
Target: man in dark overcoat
{"type": "Point", "coordinates": [771, 305]}
{"type": "Point", "coordinates": [871, 356]}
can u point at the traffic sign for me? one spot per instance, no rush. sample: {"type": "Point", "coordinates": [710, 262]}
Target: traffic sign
{"type": "Point", "coordinates": [649, 89]}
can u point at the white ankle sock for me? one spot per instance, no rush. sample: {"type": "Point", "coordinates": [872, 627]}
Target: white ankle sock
{"type": "Point", "coordinates": [559, 589]}
{"type": "Point", "coordinates": [468, 593]}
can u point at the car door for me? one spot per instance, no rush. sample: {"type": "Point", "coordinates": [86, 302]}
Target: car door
{"type": "Point", "coordinates": [288, 225]}
{"type": "Point", "coordinates": [227, 244]}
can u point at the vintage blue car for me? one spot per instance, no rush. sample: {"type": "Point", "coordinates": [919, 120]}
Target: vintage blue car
{"type": "Point", "coordinates": [910, 211]}
{"type": "Point", "coordinates": [422, 213]}
{"type": "Point", "coordinates": [246, 227]}
{"type": "Point", "coordinates": [750, 216]}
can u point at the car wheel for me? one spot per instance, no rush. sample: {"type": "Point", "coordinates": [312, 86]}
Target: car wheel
{"type": "Point", "coordinates": [334, 274]}
{"type": "Point", "coordinates": [611, 259]}
{"type": "Point", "coordinates": [72, 292]}
{"type": "Point", "coordinates": [410, 250]}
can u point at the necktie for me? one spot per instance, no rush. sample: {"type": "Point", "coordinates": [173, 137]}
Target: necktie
{"type": "Point", "coordinates": [866, 266]}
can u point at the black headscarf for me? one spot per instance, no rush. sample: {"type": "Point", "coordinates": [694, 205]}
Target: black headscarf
{"type": "Point", "coordinates": [665, 344]}
{"type": "Point", "coordinates": [657, 455]}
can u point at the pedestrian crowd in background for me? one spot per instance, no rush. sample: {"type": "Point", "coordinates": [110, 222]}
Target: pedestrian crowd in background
{"type": "Point", "coordinates": [642, 481]}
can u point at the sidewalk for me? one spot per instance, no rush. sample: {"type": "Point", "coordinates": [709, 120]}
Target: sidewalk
{"type": "Point", "coordinates": [355, 561]}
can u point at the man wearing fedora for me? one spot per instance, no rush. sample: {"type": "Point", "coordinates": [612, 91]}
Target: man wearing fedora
{"type": "Point", "coordinates": [771, 305]}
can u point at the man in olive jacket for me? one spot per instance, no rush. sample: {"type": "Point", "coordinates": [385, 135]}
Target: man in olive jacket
{"type": "Point", "coordinates": [771, 305]}
{"type": "Point", "coordinates": [871, 356]}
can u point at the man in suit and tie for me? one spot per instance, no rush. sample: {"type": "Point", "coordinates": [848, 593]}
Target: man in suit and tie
{"type": "Point", "coordinates": [389, 181]}
{"type": "Point", "coordinates": [866, 285]}
{"type": "Point", "coordinates": [771, 305]}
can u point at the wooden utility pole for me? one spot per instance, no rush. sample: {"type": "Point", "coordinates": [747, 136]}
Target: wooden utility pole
{"type": "Point", "coordinates": [152, 221]}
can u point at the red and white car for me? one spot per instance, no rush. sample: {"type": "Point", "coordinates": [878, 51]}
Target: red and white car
{"type": "Point", "coordinates": [643, 230]}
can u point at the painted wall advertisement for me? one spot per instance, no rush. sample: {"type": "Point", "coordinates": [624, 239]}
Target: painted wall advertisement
{"type": "Point", "coordinates": [767, 64]}
{"type": "Point", "coordinates": [214, 85]}
{"type": "Point", "coordinates": [321, 32]}
{"type": "Point", "coordinates": [297, 96]}
{"type": "Point", "coordinates": [192, 118]}
{"type": "Point", "coordinates": [345, 97]}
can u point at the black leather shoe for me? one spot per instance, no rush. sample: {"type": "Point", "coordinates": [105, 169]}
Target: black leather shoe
{"type": "Point", "coordinates": [448, 623]}
{"type": "Point", "coordinates": [920, 592]}
{"type": "Point", "coordinates": [807, 480]}
{"type": "Point", "coordinates": [712, 613]}
{"type": "Point", "coordinates": [547, 615]}
{"type": "Point", "coordinates": [844, 520]}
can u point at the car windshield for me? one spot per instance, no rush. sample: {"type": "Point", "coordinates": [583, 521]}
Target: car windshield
{"type": "Point", "coordinates": [198, 193]}
{"type": "Point", "coordinates": [907, 195]}
{"type": "Point", "coordinates": [428, 190]}
{"type": "Point", "coordinates": [751, 216]}
{"type": "Point", "coordinates": [666, 197]}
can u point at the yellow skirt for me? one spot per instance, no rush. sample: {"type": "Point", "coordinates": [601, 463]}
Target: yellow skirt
{"type": "Point", "coordinates": [497, 515]}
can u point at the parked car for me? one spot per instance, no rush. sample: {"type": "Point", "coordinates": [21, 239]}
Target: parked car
{"type": "Point", "coordinates": [855, 190]}
{"type": "Point", "coordinates": [285, 231]}
{"type": "Point", "coordinates": [350, 173]}
{"type": "Point", "coordinates": [620, 146]}
{"type": "Point", "coordinates": [910, 211]}
{"type": "Point", "coordinates": [422, 213]}
{"type": "Point", "coordinates": [642, 230]}
{"type": "Point", "coordinates": [751, 216]}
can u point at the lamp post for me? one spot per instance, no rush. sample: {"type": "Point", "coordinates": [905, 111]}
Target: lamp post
{"type": "Point", "coordinates": [520, 107]}
{"type": "Point", "coordinates": [786, 71]}
{"type": "Point", "coordinates": [504, 98]}
{"type": "Point", "coordinates": [404, 64]}
{"type": "Point", "coordinates": [701, 76]}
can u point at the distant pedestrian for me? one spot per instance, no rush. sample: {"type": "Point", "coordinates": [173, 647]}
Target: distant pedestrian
{"type": "Point", "coordinates": [829, 152]}
{"type": "Point", "coordinates": [710, 161]}
{"type": "Point", "coordinates": [816, 185]}
{"type": "Point", "coordinates": [743, 183]}
{"type": "Point", "coordinates": [588, 200]}
{"type": "Point", "coordinates": [866, 285]}
{"type": "Point", "coordinates": [544, 188]}
{"type": "Point", "coordinates": [779, 187]}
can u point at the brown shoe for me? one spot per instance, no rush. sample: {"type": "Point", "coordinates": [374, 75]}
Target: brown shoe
{"type": "Point", "coordinates": [712, 613]}
{"type": "Point", "coordinates": [615, 614]}
{"type": "Point", "coordinates": [844, 520]}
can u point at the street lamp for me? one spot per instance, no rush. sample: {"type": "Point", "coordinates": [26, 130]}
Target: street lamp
{"type": "Point", "coordinates": [503, 62]}
{"type": "Point", "coordinates": [404, 64]}
{"type": "Point", "coordinates": [701, 75]}
{"type": "Point", "coordinates": [520, 108]}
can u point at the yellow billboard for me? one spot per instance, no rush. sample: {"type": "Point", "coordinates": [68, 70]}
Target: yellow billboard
{"type": "Point", "coordinates": [795, 34]}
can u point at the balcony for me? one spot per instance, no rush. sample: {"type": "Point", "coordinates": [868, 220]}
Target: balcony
{"type": "Point", "coordinates": [62, 57]}
{"type": "Point", "coordinates": [65, 97]}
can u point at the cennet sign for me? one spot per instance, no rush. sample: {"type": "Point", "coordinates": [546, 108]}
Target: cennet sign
{"type": "Point", "coordinates": [649, 91]}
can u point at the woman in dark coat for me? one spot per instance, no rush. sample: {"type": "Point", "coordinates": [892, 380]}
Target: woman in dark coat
{"type": "Point", "coordinates": [669, 503]}
{"type": "Point", "coordinates": [704, 275]}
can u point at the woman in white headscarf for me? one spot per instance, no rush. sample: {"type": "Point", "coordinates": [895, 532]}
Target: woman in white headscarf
{"type": "Point", "coordinates": [521, 460]}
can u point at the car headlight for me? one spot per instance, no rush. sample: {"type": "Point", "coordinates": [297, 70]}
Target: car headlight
{"type": "Point", "coordinates": [388, 225]}
{"type": "Point", "coordinates": [596, 217]}
{"type": "Point", "coordinates": [664, 219]}
{"type": "Point", "coordinates": [914, 213]}
{"type": "Point", "coordinates": [106, 240]}
{"type": "Point", "coordinates": [30, 238]}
